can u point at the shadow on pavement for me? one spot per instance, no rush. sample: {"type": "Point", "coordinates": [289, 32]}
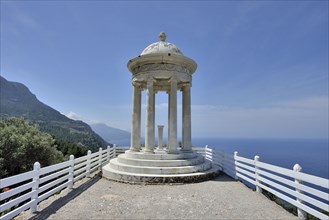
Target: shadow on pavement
{"type": "Point", "coordinates": [223, 178]}
{"type": "Point", "coordinates": [56, 205]}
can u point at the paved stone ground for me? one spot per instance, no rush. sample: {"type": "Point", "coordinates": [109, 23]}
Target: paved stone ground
{"type": "Point", "coordinates": [97, 198]}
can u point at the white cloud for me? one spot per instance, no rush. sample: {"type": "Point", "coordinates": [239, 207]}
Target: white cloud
{"type": "Point", "coordinates": [74, 116]}
{"type": "Point", "coordinates": [77, 117]}
{"type": "Point", "coordinates": [119, 121]}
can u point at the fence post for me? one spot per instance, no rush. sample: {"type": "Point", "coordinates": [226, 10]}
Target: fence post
{"type": "Point", "coordinates": [88, 164]}
{"type": "Point", "coordinates": [222, 161]}
{"type": "Point", "coordinates": [214, 158]}
{"type": "Point", "coordinates": [100, 159]}
{"type": "Point", "coordinates": [235, 165]}
{"type": "Point", "coordinates": [205, 151]}
{"type": "Point", "coordinates": [258, 188]}
{"type": "Point", "coordinates": [301, 213]}
{"type": "Point", "coordinates": [35, 187]}
{"type": "Point", "coordinates": [114, 150]}
{"type": "Point", "coordinates": [71, 171]}
{"type": "Point", "coordinates": [211, 155]}
{"type": "Point", "coordinates": [108, 153]}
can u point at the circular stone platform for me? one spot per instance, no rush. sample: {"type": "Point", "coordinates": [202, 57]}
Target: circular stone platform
{"type": "Point", "coordinates": [160, 167]}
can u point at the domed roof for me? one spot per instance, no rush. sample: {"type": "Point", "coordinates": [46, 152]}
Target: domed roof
{"type": "Point", "coordinates": [162, 47]}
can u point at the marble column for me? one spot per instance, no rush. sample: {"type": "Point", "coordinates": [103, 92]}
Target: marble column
{"type": "Point", "coordinates": [154, 113]}
{"type": "Point", "coordinates": [160, 137]}
{"type": "Point", "coordinates": [172, 139]}
{"type": "Point", "coordinates": [136, 119]}
{"type": "Point", "coordinates": [149, 125]}
{"type": "Point", "coordinates": [187, 145]}
{"type": "Point", "coordinates": [182, 148]}
{"type": "Point", "coordinates": [168, 118]}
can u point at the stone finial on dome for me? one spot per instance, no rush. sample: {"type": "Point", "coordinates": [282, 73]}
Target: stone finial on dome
{"type": "Point", "coordinates": [162, 36]}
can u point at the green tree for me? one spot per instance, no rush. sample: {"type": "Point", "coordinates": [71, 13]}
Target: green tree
{"type": "Point", "coordinates": [68, 148]}
{"type": "Point", "coordinates": [22, 144]}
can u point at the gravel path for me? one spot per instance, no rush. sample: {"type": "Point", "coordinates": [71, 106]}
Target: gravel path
{"type": "Point", "coordinates": [97, 198]}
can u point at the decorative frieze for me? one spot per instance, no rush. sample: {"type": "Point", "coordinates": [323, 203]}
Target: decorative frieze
{"type": "Point", "coordinates": [160, 66]}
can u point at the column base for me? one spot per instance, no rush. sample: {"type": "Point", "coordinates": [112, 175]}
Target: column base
{"type": "Point", "coordinates": [187, 150]}
{"type": "Point", "coordinates": [148, 151]}
{"type": "Point", "coordinates": [173, 151]}
{"type": "Point", "coordinates": [160, 151]}
{"type": "Point", "coordinates": [134, 149]}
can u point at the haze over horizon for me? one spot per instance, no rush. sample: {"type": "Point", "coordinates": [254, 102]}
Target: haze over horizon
{"type": "Point", "coordinates": [262, 65]}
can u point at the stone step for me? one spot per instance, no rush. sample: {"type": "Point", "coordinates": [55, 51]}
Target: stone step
{"type": "Point", "coordinates": [121, 176]}
{"type": "Point", "coordinates": [122, 158]}
{"type": "Point", "coordinates": [116, 165]}
{"type": "Point", "coordinates": [160, 155]}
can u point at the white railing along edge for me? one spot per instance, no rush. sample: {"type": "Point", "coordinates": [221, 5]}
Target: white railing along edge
{"type": "Point", "coordinates": [54, 178]}
{"type": "Point", "coordinates": [261, 174]}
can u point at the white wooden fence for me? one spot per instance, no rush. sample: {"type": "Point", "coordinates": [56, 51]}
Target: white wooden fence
{"type": "Point", "coordinates": [30, 188]}
{"type": "Point", "coordinates": [288, 185]}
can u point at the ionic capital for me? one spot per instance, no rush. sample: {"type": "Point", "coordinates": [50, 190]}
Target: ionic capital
{"type": "Point", "coordinates": [186, 85]}
{"type": "Point", "coordinates": [137, 83]}
{"type": "Point", "coordinates": [151, 79]}
{"type": "Point", "coordinates": [173, 79]}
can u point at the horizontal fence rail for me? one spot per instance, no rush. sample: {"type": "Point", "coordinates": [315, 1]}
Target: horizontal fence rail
{"type": "Point", "coordinates": [308, 193]}
{"type": "Point", "coordinates": [24, 191]}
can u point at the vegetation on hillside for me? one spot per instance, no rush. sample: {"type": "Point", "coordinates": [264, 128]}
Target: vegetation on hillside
{"type": "Point", "coordinates": [68, 149]}
{"type": "Point", "coordinates": [18, 101]}
{"type": "Point", "coordinates": [78, 134]}
{"type": "Point", "coordinates": [290, 208]}
{"type": "Point", "coordinates": [22, 144]}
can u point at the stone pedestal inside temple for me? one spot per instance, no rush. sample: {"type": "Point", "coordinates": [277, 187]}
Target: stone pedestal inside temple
{"type": "Point", "coordinates": [161, 67]}
{"type": "Point", "coordinates": [160, 137]}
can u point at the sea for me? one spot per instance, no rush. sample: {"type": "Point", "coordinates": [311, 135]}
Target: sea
{"type": "Point", "coordinates": [311, 154]}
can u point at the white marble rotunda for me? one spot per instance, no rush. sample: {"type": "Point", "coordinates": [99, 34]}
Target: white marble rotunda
{"type": "Point", "coordinates": [161, 67]}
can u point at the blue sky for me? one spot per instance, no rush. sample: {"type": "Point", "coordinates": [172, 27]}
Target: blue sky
{"type": "Point", "coordinates": [262, 65]}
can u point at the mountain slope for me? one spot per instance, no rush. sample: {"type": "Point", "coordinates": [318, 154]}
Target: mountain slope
{"type": "Point", "coordinates": [110, 134]}
{"type": "Point", "coordinates": [17, 100]}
